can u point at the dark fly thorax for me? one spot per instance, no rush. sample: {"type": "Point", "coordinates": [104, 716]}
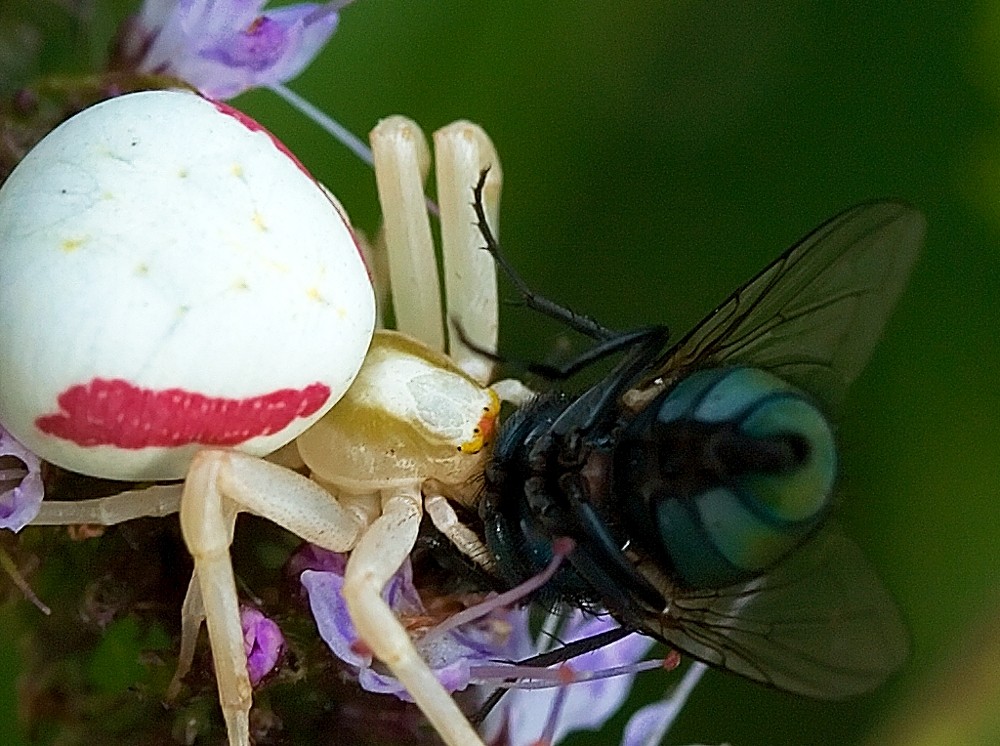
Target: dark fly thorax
{"type": "Point", "coordinates": [542, 485]}
{"type": "Point", "coordinates": [515, 524]}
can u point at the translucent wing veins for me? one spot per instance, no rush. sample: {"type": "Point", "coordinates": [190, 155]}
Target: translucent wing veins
{"type": "Point", "coordinates": [821, 624]}
{"type": "Point", "coordinates": [814, 315]}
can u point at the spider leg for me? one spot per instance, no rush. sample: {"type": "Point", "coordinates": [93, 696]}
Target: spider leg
{"type": "Point", "coordinates": [462, 150]}
{"type": "Point", "coordinates": [192, 617]}
{"type": "Point", "coordinates": [377, 556]}
{"type": "Point", "coordinates": [154, 502]}
{"type": "Point", "coordinates": [446, 520]}
{"type": "Point", "coordinates": [219, 485]}
{"type": "Point", "coordinates": [402, 161]}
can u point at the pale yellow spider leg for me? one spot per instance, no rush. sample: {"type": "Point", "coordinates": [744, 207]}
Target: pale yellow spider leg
{"type": "Point", "coordinates": [376, 259]}
{"type": "Point", "coordinates": [446, 520]}
{"type": "Point", "coordinates": [402, 161]}
{"type": "Point", "coordinates": [157, 501]}
{"type": "Point", "coordinates": [513, 391]}
{"type": "Point", "coordinates": [154, 502]}
{"type": "Point", "coordinates": [207, 521]}
{"type": "Point", "coordinates": [461, 151]}
{"type": "Point", "coordinates": [378, 555]}
{"type": "Point", "coordinates": [193, 609]}
{"type": "Point", "coordinates": [192, 615]}
{"type": "Point", "coordinates": [219, 484]}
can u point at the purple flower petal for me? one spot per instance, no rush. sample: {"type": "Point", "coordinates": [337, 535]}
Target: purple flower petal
{"type": "Point", "coordinates": [332, 620]}
{"type": "Point", "coordinates": [587, 705]}
{"type": "Point", "coordinates": [451, 655]}
{"type": "Point", "coordinates": [645, 723]}
{"type": "Point", "coordinates": [21, 488]}
{"type": "Point", "coordinates": [649, 724]}
{"type": "Point", "coordinates": [225, 47]}
{"type": "Point", "coordinates": [312, 557]}
{"type": "Point", "coordinates": [262, 642]}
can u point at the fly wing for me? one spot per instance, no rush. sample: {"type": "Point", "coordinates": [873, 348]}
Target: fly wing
{"type": "Point", "coordinates": [820, 624]}
{"type": "Point", "coordinates": [814, 315]}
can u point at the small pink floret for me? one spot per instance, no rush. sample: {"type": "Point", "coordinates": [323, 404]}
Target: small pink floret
{"type": "Point", "coordinates": [117, 413]}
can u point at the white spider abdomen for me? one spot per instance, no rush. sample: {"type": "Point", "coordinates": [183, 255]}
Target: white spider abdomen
{"type": "Point", "coordinates": [171, 278]}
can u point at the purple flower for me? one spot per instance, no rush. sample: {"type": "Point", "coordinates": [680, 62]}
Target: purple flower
{"type": "Point", "coordinates": [451, 655]}
{"type": "Point", "coordinates": [649, 724]}
{"type": "Point", "coordinates": [470, 654]}
{"type": "Point", "coordinates": [225, 47]}
{"type": "Point", "coordinates": [21, 488]}
{"type": "Point", "coordinates": [262, 642]}
{"type": "Point", "coordinates": [523, 714]}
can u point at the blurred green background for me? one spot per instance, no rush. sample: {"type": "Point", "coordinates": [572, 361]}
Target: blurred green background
{"type": "Point", "coordinates": [656, 155]}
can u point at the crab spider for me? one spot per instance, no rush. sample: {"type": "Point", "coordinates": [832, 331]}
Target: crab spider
{"type": "Point", "coordinates": [408, 433]}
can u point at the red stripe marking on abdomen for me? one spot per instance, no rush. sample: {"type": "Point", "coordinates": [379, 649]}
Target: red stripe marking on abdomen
{"type": "Point", "coordinates": [117, 413]}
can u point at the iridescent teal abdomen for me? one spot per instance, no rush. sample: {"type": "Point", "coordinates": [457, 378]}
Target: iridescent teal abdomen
{"type": "Point", "coordinates": [725, 474]}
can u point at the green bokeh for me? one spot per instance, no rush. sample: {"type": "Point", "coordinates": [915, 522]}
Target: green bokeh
{"type": "Point", "coordinates": [656, 155]}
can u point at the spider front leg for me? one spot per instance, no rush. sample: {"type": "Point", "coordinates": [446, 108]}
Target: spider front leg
{"type": "Point", "coordinates": [402, 164]}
